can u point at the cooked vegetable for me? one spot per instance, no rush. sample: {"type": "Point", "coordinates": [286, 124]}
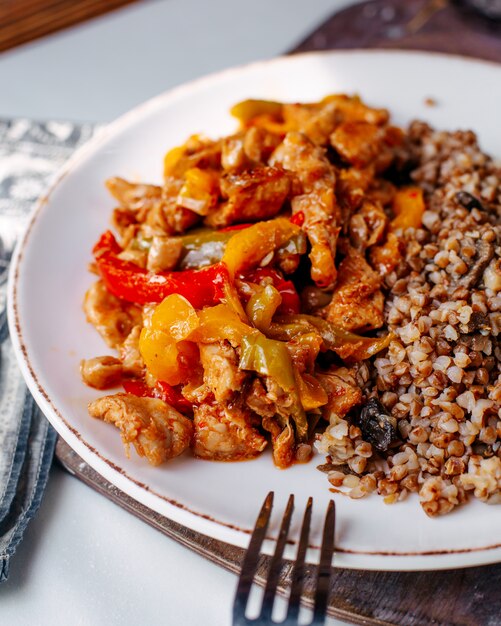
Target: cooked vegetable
{"type": "Point", "coordinates": [290, 302]}
{"type": "Point", "coordinates": [219, 323]}
{"type": "Point", "coordinates": [162, 391]}
{"type": "Point", "coordinates": [134, 284]}
{"type": "Point", "coordinates": [271, 358]}
{"type": "Point", "coordinates": [175, 316]}
{"type": "Point", "coordinates": [248, 109]}
{"type": "Point", "coordinates": [347, 345]}
{"type": "Point", "coordinates": [262, 306]}
{"type": "Point", "coordinates": [485, 253]}
{"type": "Point", "coordinates": [166, 358]}
{"type": "Point", "coordinates": [469, 201]}
{"type": "Point", "coordinates": [249, 248]}
{"type": "Point", "coordinates": [311, 392]}
{"type": "Point", "coordinates": [199, 294]}
{"type": "Point", "coordinates": [378, 428]}
{"type": "Point", "coordinates": [408, 207]}
{"type": "Point", "coordinates": [203, 247]}
{"type": "Point", "coordinates": [200, 190]}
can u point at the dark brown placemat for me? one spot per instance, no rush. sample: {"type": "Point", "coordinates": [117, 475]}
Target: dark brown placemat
{"type": "Point", "coordinates": [462, 597]}
{"type": "Point", "coordinates": [431, 25]}
{"type": "Point", "coordinates": [469, 597]}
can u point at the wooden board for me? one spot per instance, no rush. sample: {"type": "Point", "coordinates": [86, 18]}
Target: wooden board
{"type": "Point", "coordinates": [22, 21]}
{"type": "Point", "coordinates": [468, 597]}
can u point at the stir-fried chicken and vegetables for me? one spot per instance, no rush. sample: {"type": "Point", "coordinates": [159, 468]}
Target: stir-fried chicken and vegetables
{"type": "Point", "coordinates": [250, 302]}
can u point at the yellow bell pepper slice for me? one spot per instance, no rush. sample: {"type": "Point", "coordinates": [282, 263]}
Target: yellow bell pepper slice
{"type": "Point", "coordinates": [220, 322]}
{"type": "Point", "coordinates": [248, 247]}
{"type": "Point", "coordinates": [311, 392]}
{"type": "Point", "coordinates": [165, 358]}
{"type": "Point", "coordinates": [200, 190]}
{"type": "Point", "coordinates": [247, 110]}
{"type": "Point", "coordinates": [175, 316]}
{"type": "Point", "coordinates": [172, 159]}
{"type": "Point", "coordinates": [408, 207]}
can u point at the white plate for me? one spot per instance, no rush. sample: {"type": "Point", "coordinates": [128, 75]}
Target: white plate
{"type": "Point", "coordinates": [49, 279]}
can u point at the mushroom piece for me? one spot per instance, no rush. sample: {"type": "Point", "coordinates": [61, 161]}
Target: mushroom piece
{"type": "Point", "coordinates": [485, 252]}
{"type": "Point", "coordinates": [469, 201]}
{"type": "Point", "coordinates": [378, 428]}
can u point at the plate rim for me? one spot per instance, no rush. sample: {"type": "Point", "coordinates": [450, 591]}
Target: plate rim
{"type": "Point", "coordinates": [386, 560]}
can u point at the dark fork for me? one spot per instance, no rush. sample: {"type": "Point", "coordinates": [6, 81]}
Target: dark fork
{"type": "Point", "coordinates": [251, 561]}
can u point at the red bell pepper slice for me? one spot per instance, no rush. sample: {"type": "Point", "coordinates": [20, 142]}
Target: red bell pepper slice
{"type": "Point", "coordinates": [298, 218]}
{"type": "Point", "coordinates": [162, 391]}
{"type": "Point", "coordinates": [291, 303]}
{"type": "Point", "coordinates": [227, 229]}
{"type": "Point", "coordinates": [130, 282]}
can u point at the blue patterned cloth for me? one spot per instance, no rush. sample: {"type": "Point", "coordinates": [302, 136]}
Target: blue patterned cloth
{"type": "Point", "coordinates": [30, 154]}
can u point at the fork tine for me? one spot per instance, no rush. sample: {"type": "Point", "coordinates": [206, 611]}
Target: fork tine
{"type": "Point", "coordinates": [251, 560]}
{"type": "Point", "coordinates": [276, 563]}
{"type": "Point", "coordinates": [299, 569]}
{"type": "Point", "coordinates": [324, 567]}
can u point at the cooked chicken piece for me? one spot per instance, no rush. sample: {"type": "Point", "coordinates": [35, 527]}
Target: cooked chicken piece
{"type": "Point", "coordinates": [122, 220]}
{"type": "Point", "coordinates": [353, 109]}
{"type": "Point", "coordinates": [155, 217]}
{"type": "Point", "coordinates": [342, 391]}
{"type": "Point", "coordinates": [357, 302]}
{"type": "Point", "coordinates": [352, 187]}
{"type": "Point", "coordinates": [252, 195]}
{"type": "Point", "coordinates": [283, 401]}
{"type": "Point", "coordinates": [381, 192]}
{"type": "Point", "coordinates": [322, 232]}
{"type": "Point", "coordinates": [164, 253]}
{"type": "Point", "coordinates": [367, 226]}
{"type": "Point", "coordinates": [133, 196]}
{"type": "Point", "coordinates": [156, 430]}
{"type": "Point", "coordinates": [198, 151]}
{"type": "Point", "coordinates": [317, 204]}
{"type": "Point", "coordinates": [275, 407]}
{"type": "Point", "coordinates": [233, 156]}
{"type": "Point", "coordinates": [223, 432]}
{"type": "Point", "coordinates": [308, 162]}
{"type": "Point", "coordinates": [221, 373]}
{"type": "Point", "coordinates": [362, 143]}
{"type": "Point", "coordinates": [196, 391]}
{"type": "Point", "coordinates": [282, 441]}
{"type": "Point", "coordinates": [284, 448]}
{"type": "Point", "coordinates": [156, 206]}
{"type": "Point", "coordinates": [357, 142]}
{"type": "Point", "coordinates": [317, 121]}
{"type": "Point", "coordinates": [259, 144]}
{"type": "Point", "coordinates": [112, 318]}
{"type": "Point", "coordinates": [132, 361]}
{"type": "Point", "coordinates": [305, 351]}
{"type": "Point", "coordinates": [138, 257]}
{"type": "Point", "coordinates": [101, 372]}
{"type": "Point", "coordinates": [177, 218]}
{"type": "Point", "coordinates": [258, 401]}
{"type": "Point", "coordinates": [387, 256]}
{"type": "Point", "coordinates": [356, 312]}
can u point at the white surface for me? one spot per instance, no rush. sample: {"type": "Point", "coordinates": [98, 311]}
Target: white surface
{"type": "Point", "coordinates": [84, 561]}
{"type": "Point", "coordinates": [105, 67]}
{"type": "Point", "coordinates": [77, 211]}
